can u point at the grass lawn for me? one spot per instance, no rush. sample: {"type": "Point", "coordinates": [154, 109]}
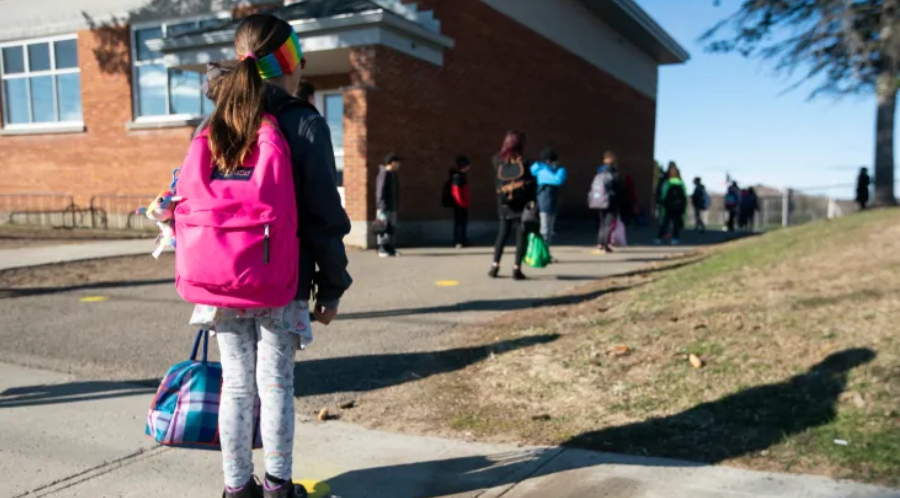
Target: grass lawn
{"type": "Point", "coordinates": [799, 335]}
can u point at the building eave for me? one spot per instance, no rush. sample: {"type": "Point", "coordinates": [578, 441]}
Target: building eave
{"type": "Point", "coordinates": [635, 24]}
{"type": "Point", "coordinates": [341, 28]}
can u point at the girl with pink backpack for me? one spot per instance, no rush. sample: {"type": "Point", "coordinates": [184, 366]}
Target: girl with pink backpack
{"type": "Point", "coordinates": [259, 233]}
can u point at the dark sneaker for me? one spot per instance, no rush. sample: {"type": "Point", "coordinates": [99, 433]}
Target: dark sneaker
{"type": "Point", "coordinates": [289, 490]}
{"type": "Point", "coordinates": [250, 490]}
{"type": "Point", "coordinates": [518, 275]}
{"type": "Point", "coordinates": [494, 271]}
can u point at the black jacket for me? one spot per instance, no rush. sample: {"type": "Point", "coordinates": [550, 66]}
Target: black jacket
{"type": "Point", "coordinates": [387, 190]}
{"type": "Point", "coordinates": [323, 223]}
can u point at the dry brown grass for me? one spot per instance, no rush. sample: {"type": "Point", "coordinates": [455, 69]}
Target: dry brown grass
{"type": "Point", "coordinates": [762, 313]}
{"type": "Point", "coordinates": [95, 273]}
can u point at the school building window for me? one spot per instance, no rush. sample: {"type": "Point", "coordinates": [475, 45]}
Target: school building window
{"type": "Point", "coordinates": [41, 82]}
{"type": "Point", "coordinates": [331, 105]}
{"type": "Point", "coordinates": [160, 92]}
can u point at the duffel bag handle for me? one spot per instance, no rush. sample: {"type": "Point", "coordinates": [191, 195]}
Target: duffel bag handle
{"type": "Point", "coordinates": [204, 334]}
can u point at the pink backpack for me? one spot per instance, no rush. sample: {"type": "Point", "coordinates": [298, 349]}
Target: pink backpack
{"type": "Point", "coordinates": [236, 235]}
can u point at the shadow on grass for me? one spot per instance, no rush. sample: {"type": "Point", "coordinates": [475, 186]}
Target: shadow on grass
{"type": "Point", "coordinates": [739, 424]}
{"type": "Point", "coordinates": [367, 373]}
{"type": "Point", "coordinates": [6, 293]}
{"type": "Point", "coordinates": [735, 425]}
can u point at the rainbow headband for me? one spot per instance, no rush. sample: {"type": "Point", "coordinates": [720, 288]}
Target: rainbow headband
{"type": "Point", "coordinates": [280, 62]}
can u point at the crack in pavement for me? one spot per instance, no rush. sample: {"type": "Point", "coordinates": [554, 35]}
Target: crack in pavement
{"type": "Point", "coordinates": [93, 472]}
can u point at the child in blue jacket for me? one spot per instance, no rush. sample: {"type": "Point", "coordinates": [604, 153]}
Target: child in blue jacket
{"type": "Point", "coordinates": [550, 177]}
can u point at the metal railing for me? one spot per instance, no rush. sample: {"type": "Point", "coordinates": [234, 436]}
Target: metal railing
{"type": "Point", "coordinates": [44, 209]}
{"type": "Point", "coordinates": [106, 211]}
{"type": "Point", "coordinates": [118, 212]}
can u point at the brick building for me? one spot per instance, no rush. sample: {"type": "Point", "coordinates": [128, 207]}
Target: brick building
{"type": "Point", "coordinates": [101, 96]}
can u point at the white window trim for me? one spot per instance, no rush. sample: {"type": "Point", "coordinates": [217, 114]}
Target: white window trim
{"type": "Point", "coordinates": [37, 128]}
{"type": "Point", "coordinates": [319, 99]}
{"type": "Point", "coordinates": [135, 63]}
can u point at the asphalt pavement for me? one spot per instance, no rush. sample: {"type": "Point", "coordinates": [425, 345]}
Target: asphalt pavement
{"type": "Point", "coordinates": [397, 310]}
{"type": "Point", "coordinates": [77, 376]}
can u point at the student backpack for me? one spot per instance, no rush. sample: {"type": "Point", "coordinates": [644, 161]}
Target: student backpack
{"type": "Point", "coordinates": [676, 199]}
{"type": "Point", "coordinates": [731, 200]}
{"type": "Point", "coordinates": [237, 234]}
{"type": "Point", "coordinates": [447, 199]}
{"type": "Point", "coordinates": [514, 184]}
{"type": "Point", "coordinates": [603, 191]}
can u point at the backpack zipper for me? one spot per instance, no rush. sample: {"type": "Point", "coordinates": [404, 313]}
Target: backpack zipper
{"type": "Point", "coordinates": [266, 246]}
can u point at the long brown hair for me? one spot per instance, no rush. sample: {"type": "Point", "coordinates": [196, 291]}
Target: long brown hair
{"type": "Point", "coordinates": [240, 95]}
{"type": "Point", "coordinates": [673, 172]}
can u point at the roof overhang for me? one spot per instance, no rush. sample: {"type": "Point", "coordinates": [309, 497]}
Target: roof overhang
{"type": "Point", "coordinates": [639, 28]}
{"type": "Point", "coordinates": [376, 27]}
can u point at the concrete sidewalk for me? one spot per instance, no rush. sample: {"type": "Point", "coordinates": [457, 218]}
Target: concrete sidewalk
{"type": "Point", "coordinates": [61, 437]}
{"type": "Point", "coordinates": [34, 256]}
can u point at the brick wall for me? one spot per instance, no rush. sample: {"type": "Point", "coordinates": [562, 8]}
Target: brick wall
{"type": "Point", "coordinates": [500, 75]}
{"type": "Point", "coordinates": [358, 187]}
{"type": "Point", "coordinates": [105, 159]}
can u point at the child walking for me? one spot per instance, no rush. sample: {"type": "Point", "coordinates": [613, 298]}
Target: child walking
{"type": "Point", "coordinates": [258, 339]}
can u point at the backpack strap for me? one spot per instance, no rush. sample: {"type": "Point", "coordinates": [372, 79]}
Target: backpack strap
{"type": "Point", "coordinates": [517, 162]}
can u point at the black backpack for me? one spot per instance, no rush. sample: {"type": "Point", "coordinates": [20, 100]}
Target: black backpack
{"type": "Point", "coordinates": [676, 199]}
{"type": "Point", "coordinates": [514, 184]}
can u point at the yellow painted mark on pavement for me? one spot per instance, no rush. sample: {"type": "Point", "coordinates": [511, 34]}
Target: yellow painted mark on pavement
{"type": "Point", "coordinates": [446, 283]}
{"type": "Point", "coordinates": [316, 489]}
{"type": "Point", "coordinates": [93, 299]}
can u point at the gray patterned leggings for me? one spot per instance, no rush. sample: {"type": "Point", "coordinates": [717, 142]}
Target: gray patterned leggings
{"type": "Point", "coordinates": [251, 349]}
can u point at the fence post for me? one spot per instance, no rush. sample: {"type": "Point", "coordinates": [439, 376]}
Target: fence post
{"type": "Point", "coordinates": [786, 207]}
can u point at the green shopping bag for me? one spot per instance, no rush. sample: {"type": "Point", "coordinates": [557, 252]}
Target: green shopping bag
{"type": "Point", "coordinates": [537, 255]}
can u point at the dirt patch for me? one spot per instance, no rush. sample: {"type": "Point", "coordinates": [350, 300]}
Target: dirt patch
{"type": "Point", "coordinates": [799, 362]}
{"type": "Point", "coordinates": [97, 273]}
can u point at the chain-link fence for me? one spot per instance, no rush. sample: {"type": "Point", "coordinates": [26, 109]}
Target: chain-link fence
{"type": "Point", "coordinates": [793, 207]}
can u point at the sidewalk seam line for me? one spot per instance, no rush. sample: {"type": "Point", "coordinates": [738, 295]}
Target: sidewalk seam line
{"type": "Point", "coordinates": [559, 451]}
{"type": "Point", "coordinates": [93, 472]}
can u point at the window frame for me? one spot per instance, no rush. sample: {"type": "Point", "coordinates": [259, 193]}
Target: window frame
{"type": "Point", "coordinates": [27, 74]}
{"type": "Point", "coordinates": [163, 24]}
{"type": "Point", "coordinates": [320, 97]}
{"type": "Point", "coordinates": [319, 100]}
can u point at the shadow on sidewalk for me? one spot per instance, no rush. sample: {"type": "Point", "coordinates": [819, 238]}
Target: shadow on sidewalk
{"type": "Point", "coordinates": [367, 373]}
{"type": "Point", "coordinates": [492, 304]}
{"type": "Point", "coordinates": [733, 426]}
{"type": "Point", "coordinates": [72, 392]}
{"type": "Point", "coordinates": [6, 293]}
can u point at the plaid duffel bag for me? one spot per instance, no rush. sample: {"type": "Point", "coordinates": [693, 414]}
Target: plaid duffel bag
{"type": "Point", "coordinates": [185, 411]}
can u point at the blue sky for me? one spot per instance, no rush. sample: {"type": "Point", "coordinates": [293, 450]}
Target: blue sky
{"type": "Point", "coordinates": [719, 113]}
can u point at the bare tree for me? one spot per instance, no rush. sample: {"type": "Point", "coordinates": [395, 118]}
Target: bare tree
{"type": "Point", "coordinates": [847, 46]}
